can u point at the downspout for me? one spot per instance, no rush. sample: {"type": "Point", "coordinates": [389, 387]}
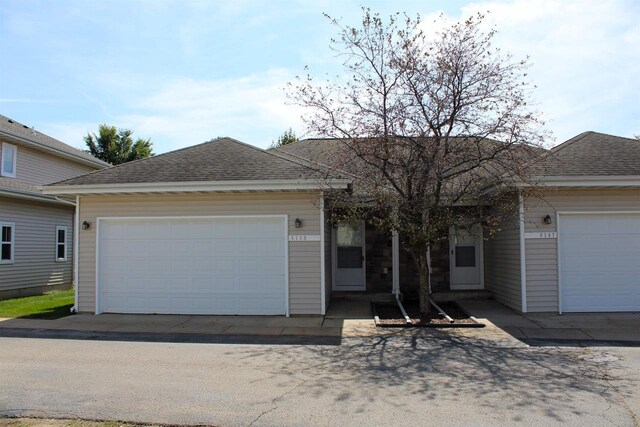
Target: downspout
{"type": "Point", "coordinates": [76, 238]}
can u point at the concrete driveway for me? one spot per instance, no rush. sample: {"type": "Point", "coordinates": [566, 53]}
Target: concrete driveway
{"type": "Point", "coordinates": [406, 378]}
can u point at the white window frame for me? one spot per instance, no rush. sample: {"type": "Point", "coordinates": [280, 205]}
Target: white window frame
{"type": "Point", "coordinates": [65, 243]}
{"type": "Point", "coordinates": [15, 157]}
{"type": "Point", "coordinates": [12, 241]}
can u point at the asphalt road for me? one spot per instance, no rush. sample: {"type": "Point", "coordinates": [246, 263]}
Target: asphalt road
{"type": "Point", "coordinates": [400, 380]}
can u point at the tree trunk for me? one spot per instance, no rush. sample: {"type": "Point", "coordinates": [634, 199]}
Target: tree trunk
{"type": "Point", "coordinates": [424, 288]}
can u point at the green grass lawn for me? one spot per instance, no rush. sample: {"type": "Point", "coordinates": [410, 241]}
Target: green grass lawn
{"type": "Point", "coordinates": [52, 305]}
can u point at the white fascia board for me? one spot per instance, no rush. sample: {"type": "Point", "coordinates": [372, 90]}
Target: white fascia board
{"type": "Point", "coordinates": [35, 197]}
{"type": "Point", "coordinates": [585, 181]}
{"type": "Point", "coordinates": [197, 186]}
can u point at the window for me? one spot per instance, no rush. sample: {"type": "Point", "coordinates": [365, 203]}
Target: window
{"type": "Point", "coordinates": [61, 243]}
{"type": "Point", "coordinates": [8, 167]}
{"type": "Point", "coordinates": [7, 230]}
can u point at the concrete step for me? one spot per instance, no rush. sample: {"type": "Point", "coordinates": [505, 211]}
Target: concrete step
{"type": "Point", "coordinates": [363, 296]}
{"type": "Point", "coordinates": [462, 295]}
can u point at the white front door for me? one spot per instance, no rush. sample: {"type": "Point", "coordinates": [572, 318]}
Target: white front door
{"type": "Point", "coordinates": [218, 265]}
{"type": "Point", "coordinates": [465, 259]}
{"type": "Point", "coordinates": [349, 257]}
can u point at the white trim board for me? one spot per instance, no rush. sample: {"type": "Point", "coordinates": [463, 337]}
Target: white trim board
{"type": "Point", "coordinates": [323, 280]}
{"type": "Point", "coordinates": [283, 217]}
{"type": "Point", "coordinates": [523, 255]}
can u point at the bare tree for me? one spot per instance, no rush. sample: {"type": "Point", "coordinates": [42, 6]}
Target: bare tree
{"type": "Point", "coordinates": [436, 129]}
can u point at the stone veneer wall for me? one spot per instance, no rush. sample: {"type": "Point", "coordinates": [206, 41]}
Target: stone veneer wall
{"type": "Point", "coordinates": [379, 257]}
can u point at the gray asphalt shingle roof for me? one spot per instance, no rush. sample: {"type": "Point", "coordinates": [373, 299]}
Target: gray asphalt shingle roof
{"type": "Point", "coordinates": [222, 159]}
{"type": "Point", "coordinates": [591, 154]}
{"type": "Point", "coordinates": [14, 184]}
{"type": "Point", "coordinates": [12, 127]}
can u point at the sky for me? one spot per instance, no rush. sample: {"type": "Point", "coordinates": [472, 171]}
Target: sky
{"type": "Point", "coordinates": [184, 72]}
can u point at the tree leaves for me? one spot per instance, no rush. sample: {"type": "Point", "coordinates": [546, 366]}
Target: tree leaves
{"type": "Point", "coordinates": [116, 146]}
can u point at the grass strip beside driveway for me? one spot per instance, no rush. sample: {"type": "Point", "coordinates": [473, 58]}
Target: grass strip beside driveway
{"type": "Point", "coordinates": [52, 305]}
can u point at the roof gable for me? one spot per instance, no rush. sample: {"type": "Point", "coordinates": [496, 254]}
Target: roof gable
{"type": "Point", "coordinates": [219, 160]}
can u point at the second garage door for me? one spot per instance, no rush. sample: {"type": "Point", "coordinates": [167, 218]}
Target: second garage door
{"type": "Point", "coordinates": [599, 262]}
{"type": "Point", "coordinates": [218, 265]}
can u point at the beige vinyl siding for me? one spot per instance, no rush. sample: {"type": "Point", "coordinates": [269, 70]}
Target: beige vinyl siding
{"type": "Point", "coordinates": [34, 251]}
{"type": "Point", "coordinates": [541, 254]}
{"type": "Point", "coordinates": [40, 168]}
{"type": "Point", "coordinates": [304, 257]}
{"type": "Point", "coordinates": [502, 264]}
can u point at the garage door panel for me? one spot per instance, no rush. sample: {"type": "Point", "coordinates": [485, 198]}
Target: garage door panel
{"type": "Point", "coordinates": [600, 262]}
{"type": "Point", "coordinates": [193, 266]}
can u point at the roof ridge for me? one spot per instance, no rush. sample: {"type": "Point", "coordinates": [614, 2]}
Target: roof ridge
{"type": "Point", "coordinates": [557, 148]}
{"type": "Point", "coordinates": [613, 136]}
{"type": "Point", "coordinates": [329, 167]}
{"type": "Point", "coordinates": [279, 156]}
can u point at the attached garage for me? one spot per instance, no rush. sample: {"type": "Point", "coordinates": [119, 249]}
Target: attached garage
{"type": "Point", "coordinates": [599, 262]}
{"type": "Point", "coordinates": [232, 265]}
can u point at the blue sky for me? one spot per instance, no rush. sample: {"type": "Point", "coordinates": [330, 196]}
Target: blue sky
{"type": "Point", "coordinates": [184, 72]}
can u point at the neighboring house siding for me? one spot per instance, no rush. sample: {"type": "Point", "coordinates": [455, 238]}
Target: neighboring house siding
{"type": "Point", "coordinates": [541, 254]}
{"type": "Point", "coordinates": [502, 264]}
{"type": "Point", "coordinates": [39, 167]}
{"type": "Point", "coordinates": [304, 257]}
{"type": "Point", "coordinates": [34, 257]}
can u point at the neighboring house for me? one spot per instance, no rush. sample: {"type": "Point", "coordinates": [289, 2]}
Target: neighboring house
{"type": "Point", "coordinates": [227, 228]}
{"type": "Point", "coordinates": [36, 229]}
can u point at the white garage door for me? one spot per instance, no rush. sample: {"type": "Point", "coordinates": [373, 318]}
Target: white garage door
{"type": "Point", "coordinates": [599, 262]}
{"type": "Point", "coordinates": [192, 266]}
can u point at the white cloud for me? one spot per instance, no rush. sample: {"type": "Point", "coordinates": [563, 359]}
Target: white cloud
{"type": "Point", "coordinates": [188, 111]}
{"type": "Point", "coordinates": [585, 59]}
{"type": "Point", "coordinates": [183, 112]}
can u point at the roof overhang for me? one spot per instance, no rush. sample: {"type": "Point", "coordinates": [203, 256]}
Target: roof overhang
{"type": "Point", "coordinates": [584, 181]}
{"type": "Point", "coordinates": [199, 187]}
{"type": "Point", "coordinates": [24, 195]}
{"type": "Point", "coordinates": [20, 139]}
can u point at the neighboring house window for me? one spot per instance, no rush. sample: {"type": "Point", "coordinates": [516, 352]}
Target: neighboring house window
{"type": "Point", "coordinates": [8, 167]}
{"type": "Point", "coordinates": [7, 231]}
{"type": "Point", "coordinates": [61, 243]}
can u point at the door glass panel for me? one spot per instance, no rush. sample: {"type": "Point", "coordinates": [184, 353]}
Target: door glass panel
{"type": "Point", "coordinates": [349, 235]}
{"type": "Point", "coordinates": [349, 243]}
{"type": "Point", "coordinates": [350, 257]}
{"type": "Point", "coordinates": [465, 256]}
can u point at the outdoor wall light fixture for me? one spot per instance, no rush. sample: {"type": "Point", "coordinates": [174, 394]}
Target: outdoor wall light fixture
{"type": "Point", "coordinates": [547, 219]}
{"type": "Point", "coordinates": [86, 225]}
{"type": "Point", "coordinates": [298, 223]}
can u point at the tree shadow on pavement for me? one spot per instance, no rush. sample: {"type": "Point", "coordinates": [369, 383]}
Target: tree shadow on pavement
{"type": "Point", "coordinates": [433, 367]}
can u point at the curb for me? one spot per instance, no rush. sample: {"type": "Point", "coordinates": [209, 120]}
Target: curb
{"type": "Point", "coordinates": [196, 338]}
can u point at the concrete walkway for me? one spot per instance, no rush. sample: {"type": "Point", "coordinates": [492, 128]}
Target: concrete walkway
{"type": "Point", "coordinates": [580, 327]}
{"type": "Point", "coordinates": [346, 318]}
{"type": "Point", "coordinates": [353, 319]}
